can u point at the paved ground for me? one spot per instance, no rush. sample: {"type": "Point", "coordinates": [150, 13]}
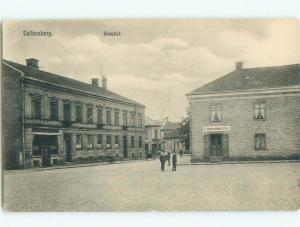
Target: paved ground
{"type": "Point", "coordinates": [140, 186]}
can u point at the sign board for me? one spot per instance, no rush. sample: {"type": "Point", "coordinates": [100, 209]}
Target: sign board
{"type": "Point", "coordinates": [216, 129]}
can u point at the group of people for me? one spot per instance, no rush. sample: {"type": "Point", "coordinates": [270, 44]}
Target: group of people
{"type": "Point", "coordinates": [163, 157]}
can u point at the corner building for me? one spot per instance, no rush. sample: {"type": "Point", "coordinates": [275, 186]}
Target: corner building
{"type": "Point", "coordinates": [248, 114]}
{"type": "Point", "coordinates": [50, 119]}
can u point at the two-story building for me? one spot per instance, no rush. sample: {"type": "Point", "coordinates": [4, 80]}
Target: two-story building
{"type": "Point", "coordinates": [49, 119]}
{"type": "Point", "coordinates": [152, 136]}
{"type": "Point", "coordinates": [250, 113]}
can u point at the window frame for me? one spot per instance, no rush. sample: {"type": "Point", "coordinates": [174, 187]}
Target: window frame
{"type": "Point", "coordinates": [90, 119]}
{"type": "Point", "coordinates": [53, 115]}
{"type": "Point", "coordinates": [215, 108]}
{"type": "Point", "coordinates": [259, 103]}
{"type": "Point", "coordinates": [263, 140]}
{"type": "Point", "coordinates": [78, 118]}
{"type": "Point", "coordinates": [90, 145]}
{"type": "Point", "coordinates": [36, 113]}
{"type": "Point", "coordinates": [78, 146]}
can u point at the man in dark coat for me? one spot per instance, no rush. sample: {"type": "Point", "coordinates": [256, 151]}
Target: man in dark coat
{"type": "Point", "coordinates": [162, 160]}
{"type": "Point", "coordinates": [174, 161]}
{"type": "Point", "coordinates": [169, 158]}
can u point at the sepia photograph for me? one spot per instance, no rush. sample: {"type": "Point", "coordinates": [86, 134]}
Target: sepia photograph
{"type": "Point", "coordinates": [139, 115]}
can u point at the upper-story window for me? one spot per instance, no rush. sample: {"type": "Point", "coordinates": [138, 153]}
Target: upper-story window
{"type": "Point", "coordinates": [140, 120]}
{"type": "Point", "coordinates": [108, 117]}
{"type": "Point", "coordinates": [132, 141]}
{"type": "Point", "coordinates": [67, 111]}
{"type": "Point", "coordinates": [216, 113]}
{"type": "Point", "coordinates": [117, 118]}
{"type": "Point", "coordinates": [140, 141]}
{"type": "Point", "coordinates": [78, 113]}
{"type": "Point", "coordinates": [260, 111]}
{"type": "Point", "coordinates": [36, 107]}
{"type": "Point", "coordinates": [155, 134]}
{"type": "Point", "coordinates": [125, 123]}
{"type": "Point", "coordinates": [99, 116]}
{"type": "Point", "coordinates": [89, 114]}
{"type": "Point", "coordinates": [146, 134]}
{"type": "Point", "coordinates": [53, 109]}
{"type": "Point", "coordinates": [132, 119]}
{"type": "Point", "coordinates": [260, 141]}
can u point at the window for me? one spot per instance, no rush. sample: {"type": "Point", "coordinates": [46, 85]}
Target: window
{"type": "Point", "coordinates": [140, 141]}
{"type": "Point", "coordinates": [108, 117]}
{"type": "Point", "coordinates": [132, 119]}
{"type": "Point", "coordinates": [260, 141]}
{"type": "Point", "coordinates": [140, 120]}
{"type": "Point", "coordinates": [108, 141]}
{"type": "Point", "coordinates": [117, 142]}
{"type": "Point", "coordinates": [99, 141]}
{"type": "Point", "coordinates": [117, 118]}
{"type": "Point", "coordinates": [53, 109]}
{"type": "Point", "coordinates": [215, 113]}
{"type": "Point", "coordinates": [260, 111]}
{"type": "Point", "coordinates": [146, 134]}
{"type": "Point", "coordinates": [78, 141]}
{"type": "Point", "coordinates": [67, 111]}
{"type": "Point", "coordinates": [89, 113]}
{"type": "Point", "coordinates": [99, 116]}
{"type": "Point", "coordinates": [90, 141]}
{"type": "Point", "coordinates": [78, 114]}
{"type": "Point", "coordinates": [125, 118]}
{"type": "Point", "coordinates": [155, 134]}
{"type": "Point", "coordinates": [36, 107]}
{"type": "Point", "coordinates": [132, 142]}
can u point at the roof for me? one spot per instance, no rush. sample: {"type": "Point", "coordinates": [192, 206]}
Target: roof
{"type": "Point", "coordinates": [254, 78]}
{"type": "Point", "coordinates": [67, 82]}
{"type": "Point", "coordinates": [167, 126]}
{"type": "Point", "coordinates": [174, 134]}
{"type": "Point", "coordinates": [151, 122]}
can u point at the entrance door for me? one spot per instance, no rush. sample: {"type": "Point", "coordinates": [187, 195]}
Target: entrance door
{"type": "Point", "coordinates": [68, 147]}
{"type": "Point", "coordinates": [125, 147]}
{"type": "Point", "coordinates": [216, 148]}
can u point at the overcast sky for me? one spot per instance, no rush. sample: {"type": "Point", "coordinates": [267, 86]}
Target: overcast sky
{"type": "Point", "coordinates": [155, 62]}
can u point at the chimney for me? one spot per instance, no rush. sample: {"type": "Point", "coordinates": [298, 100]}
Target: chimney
{"type": "Point", "coordinates": [95, 82]}
{"type": "Point", "coordinates": [238, 65]}
{"type": "Point", "coordinates": [32, 62]}
{"type": "Point", "coordinates": [104, 82]}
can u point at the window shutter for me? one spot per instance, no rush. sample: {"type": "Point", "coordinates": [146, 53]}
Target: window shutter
{"type": "Point", "coordinates": [225, 144]}
{"type": "Point", "coordinates": [206, 146]}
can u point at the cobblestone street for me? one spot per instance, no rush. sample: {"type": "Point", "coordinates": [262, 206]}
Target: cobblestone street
{"type": "Point", "coordinates": [140, 186]}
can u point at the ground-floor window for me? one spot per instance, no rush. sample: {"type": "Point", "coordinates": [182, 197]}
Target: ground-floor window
{"type": "Point", "coordinates": [47, 143]}
{"type": "Point", "coordinates": [108, 141]}
{"type": "Point", "coordinates": [99, 141]}
{"type": "Point", "coordinates": [117, 142]}
{"type": "Point", "coordinates": [78, 141]}
{"type": "Point", "coordinates": [132, 142]}
{"type": "Point", "coordinates": [140, 141]}
{"type": "Point", "coordinates": [260, 141]}
{"type": "Point", "coordinates": [90, 141]}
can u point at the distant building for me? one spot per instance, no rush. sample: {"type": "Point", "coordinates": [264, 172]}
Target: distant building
{"type": "Point", "coordinates": [152, 136]}
{"type": "Point", "coordinates": [167, 127]}
{"type": "Point", "coordinates": [250, 113]}
{"type": "Point", "coordinates": [173, 141]}
{"type": "Point", "coordinates": [50, 119]}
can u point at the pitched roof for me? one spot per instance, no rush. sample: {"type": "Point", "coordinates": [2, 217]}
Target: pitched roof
{"type": "Point", "coordinates": [174, 134]}
{"type": "Point", "coordinates": [151, 122]}
{"type": "Point", "coordinates": [167, 126]}
{"type": "Point", "coordinates": [254, 78]}
{"type": "Point", "coordinates": [67, 82]}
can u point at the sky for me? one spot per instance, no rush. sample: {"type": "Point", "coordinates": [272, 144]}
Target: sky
{"type": "Point", "coordinates": [154, 62]}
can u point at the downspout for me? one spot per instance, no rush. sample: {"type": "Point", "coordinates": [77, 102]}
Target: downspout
{"type": "Point", "coordinates": [23, 109]}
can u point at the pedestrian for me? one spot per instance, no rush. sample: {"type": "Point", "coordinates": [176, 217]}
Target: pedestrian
{"type": "Point", "coordinates": [174, 161]}
{"type": "Point", "coordinates": [162, 160]}
{"type": "Point", "coordinates": [169, 158]}
{"type": "Point", "coordinates": [180, 152]}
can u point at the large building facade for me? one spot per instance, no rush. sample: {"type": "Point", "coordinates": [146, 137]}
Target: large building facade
{"type": "Point", "coordinates": [248, 114]}
{"type": "Point", "coordinates": [50, 119]}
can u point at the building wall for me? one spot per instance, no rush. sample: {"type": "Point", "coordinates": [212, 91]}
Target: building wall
{"type": "Point", "coordinates": [173, 144]}
{"type": "Point", "coordinates": [11, 118]}
{"type": "Point", "coordinates": [281, 126]}
{"type": "Point", "coordinates": [150, 138]}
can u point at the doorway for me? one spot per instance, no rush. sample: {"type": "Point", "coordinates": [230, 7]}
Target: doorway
{"type": "Point", "coordinates": [125, 147]}
{"type": "Point", "coordinates": [44, 146]}
{"type": "Point", "coordinates": [68, 147]}
{"type": "Point", "coordinates": [216, 148]}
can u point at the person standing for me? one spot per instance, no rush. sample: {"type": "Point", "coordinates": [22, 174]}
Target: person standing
{"type": "Point", "coordinates": [169, 158]}
{"type": "Point", "coordinates": [180, 152]}
{"type": "Point", "coordinates": [174, 161]}
{"type": "Point", "coordinates": [162, 160]}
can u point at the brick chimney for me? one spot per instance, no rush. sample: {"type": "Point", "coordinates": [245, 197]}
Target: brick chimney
{"type": "Point", "coordinates": [95, 82]}
{"type": "Point", "coordinates": [32, 62]}
{"type": "Point", "coordinates": [104, 82]}
{"type": "Point", "coordinates": [238, 65]}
